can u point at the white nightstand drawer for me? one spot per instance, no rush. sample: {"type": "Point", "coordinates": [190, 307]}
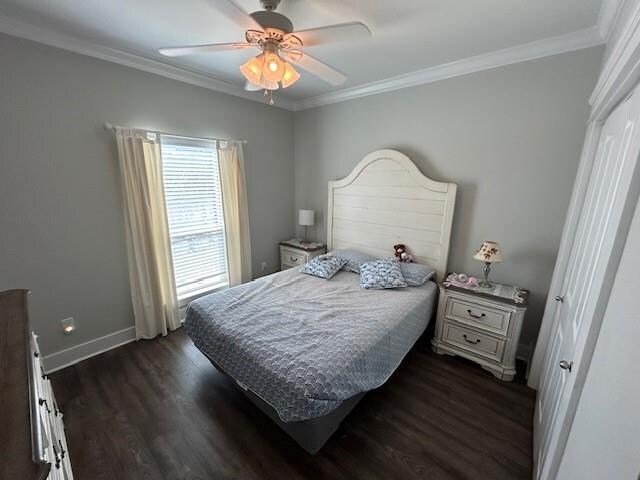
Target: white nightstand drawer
{"type": "Point", "coordinates": [475, 342]}
{"type": "Point", "coordinates": [479, 316]}
{"type": "Point", "coordinates": [292, 258]}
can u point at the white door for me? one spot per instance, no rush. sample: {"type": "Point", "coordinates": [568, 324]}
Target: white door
{"type": "Point", "coordinates": [589, 269]}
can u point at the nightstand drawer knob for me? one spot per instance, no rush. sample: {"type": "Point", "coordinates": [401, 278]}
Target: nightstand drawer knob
{"type": "Point", "coordinates": [475, 315]}
{"type": "Point", "coordinates": [474, 342]}
{"type": "Point", "coordinates": [566, 365]}
{"type": "Point", "coordinates": [559, 298]}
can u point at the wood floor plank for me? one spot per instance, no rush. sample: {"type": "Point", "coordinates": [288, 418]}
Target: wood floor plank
{"type": "Point", "coordinates": [158, 409]}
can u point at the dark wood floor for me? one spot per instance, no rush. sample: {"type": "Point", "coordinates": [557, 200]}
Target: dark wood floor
{"type": "Point", "coordinates": [158, 409]}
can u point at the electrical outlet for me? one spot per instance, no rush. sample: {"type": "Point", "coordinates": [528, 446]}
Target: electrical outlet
{"type": "Point", "coordinates": [68, 325]}
{"type": "Point", "coordinates": [263, 266]}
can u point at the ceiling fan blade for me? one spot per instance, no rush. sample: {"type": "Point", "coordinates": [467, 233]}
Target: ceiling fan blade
{"type": "Point", "coordinates": [231, 10]}
{"type": "Point", "coordinates": [341, 32]}
{"type": "Point", "coordinates": [315, 67]}
{"type": "Point", "coordinates": [192, 49]}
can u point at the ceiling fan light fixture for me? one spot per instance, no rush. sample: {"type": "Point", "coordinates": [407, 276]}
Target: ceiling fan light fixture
{"type": "Point", "coordinates": [269, 85]}
{"type": "Point", "coordinates": [252, 70]}
{"type": "Point", "coordinates": [273, 68]}
{"type": "Point", "coordinates": [290, 76]}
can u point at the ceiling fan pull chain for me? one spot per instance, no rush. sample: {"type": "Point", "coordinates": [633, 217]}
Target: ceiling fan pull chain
{"type": "Point", "coordinates": [271, 102]}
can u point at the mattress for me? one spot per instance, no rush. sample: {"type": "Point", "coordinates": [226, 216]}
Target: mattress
{"type": "Point", "coordinates": [305, 344]}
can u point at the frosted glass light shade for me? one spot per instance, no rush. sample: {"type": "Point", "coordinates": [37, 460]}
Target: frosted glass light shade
{"type": "Point", "coordinates": [273, 68]}
{"type": "Point", "coordinates": [489, 252]}
{"type": "Point", "coordinates": [306, 217]}
{"type": "Point", "coordinates": [252, 70]}
{"type": "Point", "coordinates": [290, 75]}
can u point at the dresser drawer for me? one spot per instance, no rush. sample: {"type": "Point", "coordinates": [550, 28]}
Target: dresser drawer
{"type": "Point", "coordinates": [479, 316]}
{"type": "Point", "coordinates": [292, 258]}
{"type": "Point", "coordinates": [477, 343]}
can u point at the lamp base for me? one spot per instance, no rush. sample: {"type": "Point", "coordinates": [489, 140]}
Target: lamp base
{"type": "Point", "coordinates": [486, 283]}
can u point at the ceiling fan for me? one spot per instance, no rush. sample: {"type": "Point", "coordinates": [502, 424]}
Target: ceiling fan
{"type": "Point", "coordinates": [273, 34]}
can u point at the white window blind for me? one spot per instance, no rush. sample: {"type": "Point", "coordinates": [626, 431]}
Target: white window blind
{"type": "Point", "coordinates": [194, 209]}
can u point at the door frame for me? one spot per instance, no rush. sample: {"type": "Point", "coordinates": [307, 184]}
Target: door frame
{"type": "Point", "coordinates": [618, 78]}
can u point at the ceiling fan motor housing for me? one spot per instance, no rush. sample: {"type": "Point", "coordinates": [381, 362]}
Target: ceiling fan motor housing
{"type": "Point", "coordinates": [271, 19]}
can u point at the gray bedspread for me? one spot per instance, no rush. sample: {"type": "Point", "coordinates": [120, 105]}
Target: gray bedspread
{"type": "Point", "coordinates": [304, 344]}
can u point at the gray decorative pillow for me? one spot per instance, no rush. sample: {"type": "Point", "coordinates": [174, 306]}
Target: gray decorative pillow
{"type": "Point", "coordinates": [324, 266]}
{"type": "Point", "coordinates": [416, 274]}
{"type": "Point", "coordinates": [354, 259]}
{"type": "Point", "coordinates": [381, 274]}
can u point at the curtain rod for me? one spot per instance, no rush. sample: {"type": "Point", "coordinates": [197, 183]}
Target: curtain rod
{"type": "Point", "coordinates": [109, 126]}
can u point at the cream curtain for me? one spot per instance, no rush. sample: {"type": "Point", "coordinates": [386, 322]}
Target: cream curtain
{"type": "Point", "coordinates": [153, 290]}
{"type": "Point", "coordinates": [236, 215]}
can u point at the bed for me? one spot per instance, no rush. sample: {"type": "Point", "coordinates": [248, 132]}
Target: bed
{"type": "Point", "coordinates": [305, 350]}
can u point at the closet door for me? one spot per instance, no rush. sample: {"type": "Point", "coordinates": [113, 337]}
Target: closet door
{"type": "Point", "coordinates": [592, 262]}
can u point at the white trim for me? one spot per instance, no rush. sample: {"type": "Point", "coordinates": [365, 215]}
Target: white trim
{"type": "Point", "coordinates": [70, 356]}
{"type": "Point", "coordinates": [66, 42]}
{"type": "Point", "coordinates": [609, 12]}
{"type": "Point", "coordinates": [618, 76]}
{"type": "Point", "coordinates": [577, 40]}
{"type": "Point", "coordinates": [572, 218]}
{"type": "Point", "coordinates": [620, 73]}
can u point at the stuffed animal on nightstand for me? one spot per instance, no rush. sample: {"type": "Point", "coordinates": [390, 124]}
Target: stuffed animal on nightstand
{"type": "Point", "coordinates": [401, 253]}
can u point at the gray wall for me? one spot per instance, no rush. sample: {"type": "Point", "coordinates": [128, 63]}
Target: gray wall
{"type": "Point", "coordinates": [509, 137]}
{"type": "Point", "coordinates": [604, 442]}
{"type": "Point", "coordinates": [62, 233]}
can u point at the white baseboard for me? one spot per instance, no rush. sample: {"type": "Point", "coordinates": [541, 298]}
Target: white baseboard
{"type": "Point", "coordinates": [73, 355]}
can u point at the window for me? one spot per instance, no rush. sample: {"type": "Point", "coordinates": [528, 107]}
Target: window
{"type": "Point", "coordinates": [194, 210]}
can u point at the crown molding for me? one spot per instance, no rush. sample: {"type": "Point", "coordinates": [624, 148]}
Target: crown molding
{"type": "Point", "coordinates": [45, 36]}
{"type": "Point", "coordinates": [577, 40]}
{"type": "Point", "coordinates": [609, 11]}
{"type": "Point", "coordinates": [621, 70]}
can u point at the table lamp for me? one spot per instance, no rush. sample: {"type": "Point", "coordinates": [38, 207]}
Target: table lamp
{"type": "Point", "coordinates": [306, 219]}
{"type": "Point", "coordinates": [489, 252]}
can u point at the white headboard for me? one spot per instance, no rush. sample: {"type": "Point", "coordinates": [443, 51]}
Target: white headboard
{"type": "Point", "coordinates": [385, 200]}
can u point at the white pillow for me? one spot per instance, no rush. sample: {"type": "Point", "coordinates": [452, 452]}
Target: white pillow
{"type": "Point", "coordinates": [354, 259]}
{"type": "Point", "coordinates": [324, 266]}
{"type": "Point", "coordinates": [381, 274]}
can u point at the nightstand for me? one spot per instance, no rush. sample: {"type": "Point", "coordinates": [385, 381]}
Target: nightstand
{"type": "Point", "coordinates": [294, 254]}
{"type": "Point", "coordinates": [482, 325]}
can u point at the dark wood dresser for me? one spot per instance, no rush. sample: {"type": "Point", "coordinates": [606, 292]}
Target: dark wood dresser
{"type": "Point", "coordinates": [32, 439]}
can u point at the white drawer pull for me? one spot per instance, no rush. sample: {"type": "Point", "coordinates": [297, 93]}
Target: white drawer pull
{"type": "Point", "coordinates": [293, 259]}
{"type": "Point", "coordinates": [475, 315]}
{"type": "Point", "coordinates": [474, 342]}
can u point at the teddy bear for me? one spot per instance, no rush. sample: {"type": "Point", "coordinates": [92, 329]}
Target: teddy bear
{"type": "Point", "coordinates": [401, 253]}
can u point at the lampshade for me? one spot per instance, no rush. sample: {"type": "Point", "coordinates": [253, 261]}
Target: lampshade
{"type": "Point", "coordinates": [273, 68]}
{"type": "Point", "coordinates": [290, 75]}
{"type": "Point", "coordinates": [252, 70]}
{"type": "Point", "coordinates": [489, 252]}
{"type": "Point", "coordinates": [305, 217]}
{"type": "Point", "coordinates": [266, 71]}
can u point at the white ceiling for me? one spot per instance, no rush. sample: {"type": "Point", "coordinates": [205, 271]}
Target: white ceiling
{"type": "Point", "coordinates": [407, 35]}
